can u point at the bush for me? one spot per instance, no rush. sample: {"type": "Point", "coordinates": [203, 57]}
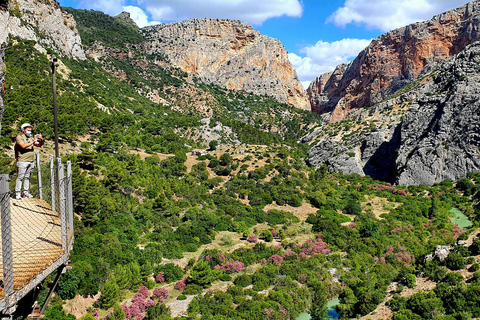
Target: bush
{"type": "Point", "coordinates": [453, 278]}
{"type": "Point", "coordinates": [474, 267]}
{"type": "Point", "coordinates": [243, 280]}
{"type": "Point", "coordinates": [182, 297]}
{"type": "Point", "coordinates": [455, 261]}
{"type": "Point", "coordinates": [171, 272]}
{"type": "Point", "coordinates": [353, 208]}
{"type": "Point", "coordinates": [410, 280]}
{"type": "Point", "coordinates": [226, 277]}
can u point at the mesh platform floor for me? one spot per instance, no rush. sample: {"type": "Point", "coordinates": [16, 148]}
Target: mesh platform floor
{"type": "Point", "coordinates": [36, 239]}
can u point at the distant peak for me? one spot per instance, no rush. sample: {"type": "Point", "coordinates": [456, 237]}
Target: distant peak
{"type": "Point", "coordinates": [125, 18]}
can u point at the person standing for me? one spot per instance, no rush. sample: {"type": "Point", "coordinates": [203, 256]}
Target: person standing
{"type": "Point", "coordinates": [25, 159]}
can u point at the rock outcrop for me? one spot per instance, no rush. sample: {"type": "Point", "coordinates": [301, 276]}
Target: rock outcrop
{"type": "Point", "coordinates": [392, 60]}
{"type": "Point", "coordinates": [231, 54]}
{"type": "Point", "coordinates": [426, 135]}
{"type": "Point", "coordinates": [44, 22]}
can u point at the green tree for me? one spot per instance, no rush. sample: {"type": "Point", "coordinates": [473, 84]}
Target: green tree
{"type": "Point", "coordinates": [118, 313]}
{"type": "Point", "coordinates": [201, 274]}
{"type": "Point", "coordinates": [109, 295]}
{"type": "Point", "coordinates": [225, 159]}
{"type": "Point", "coordinates": [213, 145]}
{"type": "Point", "coordinates": [319, 308]}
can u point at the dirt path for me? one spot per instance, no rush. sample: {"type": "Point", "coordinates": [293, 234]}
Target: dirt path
{"type": "Point", "coordinates": [472, 236]}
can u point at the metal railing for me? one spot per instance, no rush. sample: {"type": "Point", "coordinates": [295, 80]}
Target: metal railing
{"type": "Point", "coordinates": [36, 233]}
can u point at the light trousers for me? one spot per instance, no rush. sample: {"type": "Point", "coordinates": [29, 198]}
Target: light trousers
{"type": "Point", "coordinates": [24, 171]}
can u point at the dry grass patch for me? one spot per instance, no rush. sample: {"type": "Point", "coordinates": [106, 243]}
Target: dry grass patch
{"type": "Point", "coordinates": [378, 206]}
{"type": "Point", "coordinates": [301, 212]}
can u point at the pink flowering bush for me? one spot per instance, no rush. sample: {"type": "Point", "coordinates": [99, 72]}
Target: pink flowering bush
{"type": "Point", "coordinates": [400, 254]}
{"type": "Point", "coordinates": [252, 238]}
{"type": "Point", "coordinates": [289, 254]}
{"type": "Point", "coordinates": [309, 247]}
{"type": "Point", "coordinates": [160, 277]}
{"type": "Point", "coordinates": [160, 293]}
{"type": "Point", "coordinates": [231, 266]}
{"type": "Point", "coordinates": [140, 303]}
{"type": "Point", "coordinates": [180, 285]}
{"type": "Point", "coordinates": [96, 315]}
{"type": "Point", "coordinates": [276, 259]}
{"type": "Point", "coordinates": [456, 231]}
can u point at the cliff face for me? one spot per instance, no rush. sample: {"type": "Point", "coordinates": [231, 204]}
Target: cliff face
{"type": "Point", "coordinates": [44, 22]}
{"type": "Point", "coordinates": [231, 54]}
{"type": "Point", "coordinates": [392, 60]}
{"type": "Point", "coordinates": [426, 135]}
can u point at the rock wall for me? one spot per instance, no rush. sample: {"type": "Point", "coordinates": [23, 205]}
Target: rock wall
{"type": "Point", "coordinates": [426, 135]}
{"type": "Point", "coordinates": [231, 54]}
{"type": "Point", "coordinates": [44, 22]}
{"type": "Point", "coordinates": [392, 60]}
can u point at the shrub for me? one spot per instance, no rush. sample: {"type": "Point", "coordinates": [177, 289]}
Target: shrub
{"type": "Point", "coordinates": [474, 267]}
{"type": "Point", "coordinates": [160, 277]}
{"type": "Point", "coordinates": [231, 266]}
{"type": "Point", "coordinates": [160, 293]}
{"type": "Point", "coordinates": [171, 272]}
{"type": "Point", "coordinates": [243, 280]}
{"type": "Point", "coordinates": [182, 297]}
{"type": "Point", "coordinates": [180, 285]}
{"type": "Point", "coordinates": [455, 261]}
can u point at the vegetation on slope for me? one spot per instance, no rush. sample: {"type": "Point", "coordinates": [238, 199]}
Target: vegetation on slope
{"type": "Point", "coordinates": [137, 214]}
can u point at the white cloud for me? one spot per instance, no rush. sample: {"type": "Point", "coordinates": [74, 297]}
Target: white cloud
{"type": "Point", "coordinates": [139, 16]}
{"type": "Point", "coordinates": [251, 11]}
{"type": "Point", "coordinates": [386, 15]}
{"type": "Point", "coordinates": [324, 57]}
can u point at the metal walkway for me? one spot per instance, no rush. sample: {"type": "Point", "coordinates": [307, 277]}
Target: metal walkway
{"type": "Point", "coordinates": [36, 238]}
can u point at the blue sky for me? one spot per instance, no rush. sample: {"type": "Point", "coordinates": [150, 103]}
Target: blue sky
{"type": "Point", "coordinates": [318, 34]}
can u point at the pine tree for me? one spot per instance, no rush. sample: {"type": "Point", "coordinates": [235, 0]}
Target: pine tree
{"type": "Point", "coordinates": [319, 308]}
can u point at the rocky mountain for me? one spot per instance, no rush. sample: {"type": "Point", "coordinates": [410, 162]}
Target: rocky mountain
{"type": "Point", "coordinates": [231, 54]}
{"type": "Point", "coordinates": [48, 25]}
{"type": "Point", "coordinates": [393, 60]}
{"type": "Point", "coordinates": [427, 132]}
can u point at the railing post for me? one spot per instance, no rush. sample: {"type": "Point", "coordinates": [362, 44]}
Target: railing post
{"type": "Point", "coordinates": [70, 194]}
{"type": "Point", "coordinates": [61, 203]}
{"type": "Point", "coordinates": [7, 248]}
{"type": "Point", "coordinates": [52, 182]}
{"type": "Point", "coordinates": [39, 173]}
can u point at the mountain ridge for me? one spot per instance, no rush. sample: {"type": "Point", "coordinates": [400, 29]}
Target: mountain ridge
{"type": "Point", "coordinates": [392, 60]}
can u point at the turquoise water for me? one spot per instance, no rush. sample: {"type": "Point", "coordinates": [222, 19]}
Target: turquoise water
{"type": "Point", "coordinates": [460, 219]}
{"type": "Point", "coordinates": [332, 312]}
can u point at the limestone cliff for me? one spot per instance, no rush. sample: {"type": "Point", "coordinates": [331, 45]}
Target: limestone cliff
{"type": "Point", "coordinates": [231, 54]}
{"type": "Point", "coordinates": [425, 134]}
{"type": "Point", "coordinates": [392, 60]}
{"type": "Point", "coordinates": [44, 22]}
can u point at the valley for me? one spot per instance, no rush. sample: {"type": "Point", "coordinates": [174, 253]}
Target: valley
{"type": "Point", "coordinates": [205, 187]}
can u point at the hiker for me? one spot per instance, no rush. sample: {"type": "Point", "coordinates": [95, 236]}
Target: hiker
{"type": "Point", "coordinates": [25, 159]}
